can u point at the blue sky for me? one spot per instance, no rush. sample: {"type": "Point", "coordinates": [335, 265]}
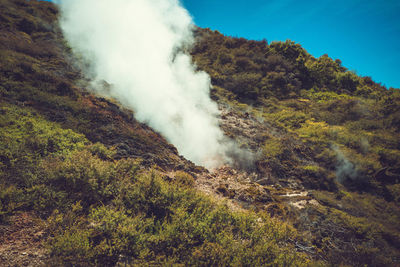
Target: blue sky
{"type": "Point", "coordinates": [364, 34]}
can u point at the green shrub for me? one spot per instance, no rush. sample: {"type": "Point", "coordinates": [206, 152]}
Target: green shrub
{"type": "Point", "coordinates": [82, 177]}
{"type": "Point", "coordinates": [11, 199]}
{"type": "Point", "coordinates": [184, 179]}
{"type": "Point", "coordinates": [288, 118]}
{"type": "Point", "coordinates": [314, 131]}
{"type": "Point", "coordinates": [153, 221]}
{"type": "Point", "coordinates": [72, 246]}
{"type": "Point", "coordinates": [26, 138]}
{"type": "Point", "coordinates": [273, 147]}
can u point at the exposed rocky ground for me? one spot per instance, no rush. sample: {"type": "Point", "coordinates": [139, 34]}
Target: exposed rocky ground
{"type": "Point", "coordinates": [254, 187]}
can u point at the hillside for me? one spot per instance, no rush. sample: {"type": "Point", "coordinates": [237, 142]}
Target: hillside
{"type": "Point", "coordinates": [83, 183]}
{"type": "Point", "coordinates": [322, 133]}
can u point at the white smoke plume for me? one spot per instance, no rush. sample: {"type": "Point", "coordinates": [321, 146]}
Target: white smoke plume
{"type": "Point", "coordinates": [345, 169]}
{"type": "Point", "coordinates": [138, 46]}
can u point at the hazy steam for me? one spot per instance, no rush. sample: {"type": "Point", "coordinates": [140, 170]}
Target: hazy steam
{"type": "Point", "coordinates": [344, 168]}
{"type": "Point", "coordinates": [138, 46]}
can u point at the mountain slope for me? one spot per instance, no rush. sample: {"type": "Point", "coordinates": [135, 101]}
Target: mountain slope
{"type": "Point", "coordinates": [104, 189]}
{"type": "Point", "coordinates": [322, 134]}
{"type": "Point", "coordinates": [94, 181]}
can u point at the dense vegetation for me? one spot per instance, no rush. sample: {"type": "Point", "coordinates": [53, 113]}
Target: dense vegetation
{"type": "Point", "coordinates": [109, 202]}
{"type": "Point", "coordinates": [96, 178]}
{"type": "Point", "coordinates": [317, 101]}
{"type": "Point", "coordinates": [333, 131]}
{"type": "Point", "coordinates": [98, 209]}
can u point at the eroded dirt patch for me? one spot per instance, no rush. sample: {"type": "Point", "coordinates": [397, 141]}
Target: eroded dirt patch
{"type": "Point", "coordinates": [21, 241]}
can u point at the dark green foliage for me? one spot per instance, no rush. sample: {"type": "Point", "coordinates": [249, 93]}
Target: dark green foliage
{"type": "Point", "coordinates": [102, 208]}
{"type": "Point", "coordinates": [244, 84]}
{"type": "Point", "coordinates": [182, 231]}
{"type": "Point", "coordinates": [26, 138]}
{"type": "Point", "coordinates": [253, 70]}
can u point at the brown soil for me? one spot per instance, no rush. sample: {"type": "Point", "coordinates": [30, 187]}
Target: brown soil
{"type": "Point", "coordinates": [21, 241]}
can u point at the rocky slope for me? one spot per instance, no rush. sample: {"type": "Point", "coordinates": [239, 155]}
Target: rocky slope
{"type": "Point", "coordinates": [83, 183]}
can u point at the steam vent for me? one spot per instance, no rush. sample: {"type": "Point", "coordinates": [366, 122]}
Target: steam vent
{"type": "Point", "coordinates": [132, 135]}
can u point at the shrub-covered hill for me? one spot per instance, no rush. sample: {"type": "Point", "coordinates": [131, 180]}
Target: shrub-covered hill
{"type": "Point", "coordinates": [83, 183]}
{"type": "Point", "coordinates": [37, 71]}
{"type": "Point", "coordinates": [317, 127]}
{"type": "Point", "coordinates": [338, 117]}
